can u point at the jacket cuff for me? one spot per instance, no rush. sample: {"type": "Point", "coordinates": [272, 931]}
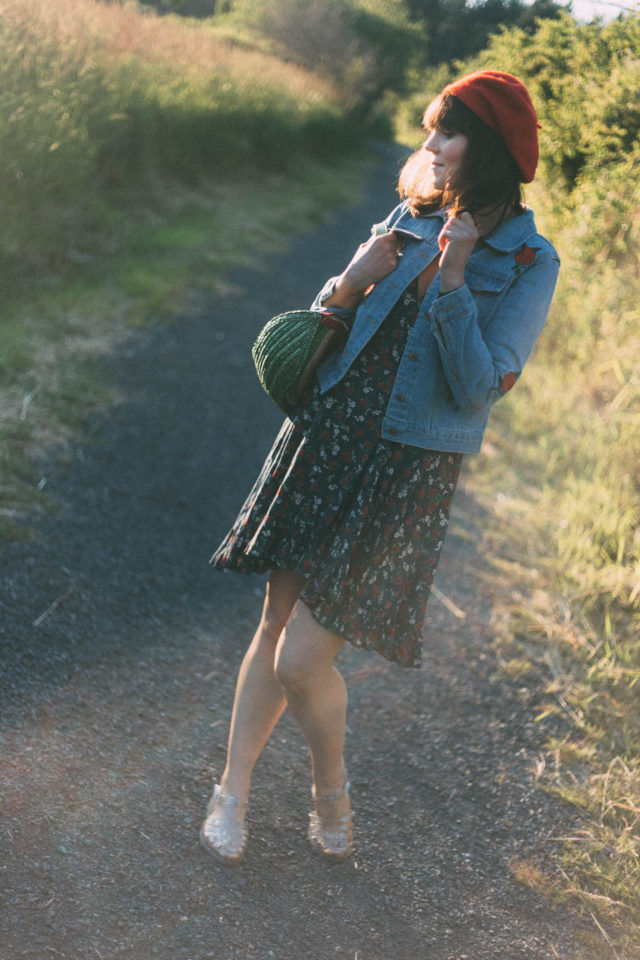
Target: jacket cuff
{"type": "Point", "coordinates": [453, 304]}
{"type": "Point", "coordinates": [345, 313]}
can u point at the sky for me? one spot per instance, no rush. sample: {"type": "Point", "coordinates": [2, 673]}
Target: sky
{"type": "Point", "coordinates": [607, 9]}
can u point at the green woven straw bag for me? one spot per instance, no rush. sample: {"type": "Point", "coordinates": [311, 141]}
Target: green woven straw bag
{"type": "Point", "coordinates": [288, 350]}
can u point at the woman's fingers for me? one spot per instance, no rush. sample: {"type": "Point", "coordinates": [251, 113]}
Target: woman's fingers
{"type": "Point", "coordinates": [457, 239]}
{"type": "Point", "coordinates": [460, 229]}
{"type": "Point", "coordinates": [373, 261]}
{"type": "Point", "coordinates": [383, 249]}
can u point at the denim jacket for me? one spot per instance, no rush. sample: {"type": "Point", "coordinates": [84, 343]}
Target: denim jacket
{"type": "Point", "coordinates": [467, 347]}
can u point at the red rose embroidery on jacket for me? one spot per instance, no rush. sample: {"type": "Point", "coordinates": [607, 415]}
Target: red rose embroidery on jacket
{"type": "Point", "coordinates": [525, 256]}
{"type": "Point", "coordinates": [508, 381]}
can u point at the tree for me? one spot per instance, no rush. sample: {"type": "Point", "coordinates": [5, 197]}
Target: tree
{"type": "Point", "coordinates": [186, 8]}
{"type": "Point", "coordinates": [456, 29]}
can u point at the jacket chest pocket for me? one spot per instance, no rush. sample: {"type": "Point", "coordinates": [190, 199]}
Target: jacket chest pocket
{"type": "Point", "coordinates": [487, 289]}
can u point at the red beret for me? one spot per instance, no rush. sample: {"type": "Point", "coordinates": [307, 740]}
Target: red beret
{"type": "Point", "coordinates": [503, 103]}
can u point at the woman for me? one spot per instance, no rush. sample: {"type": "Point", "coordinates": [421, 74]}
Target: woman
{"type": "Point", "coordinates": [350, 511]}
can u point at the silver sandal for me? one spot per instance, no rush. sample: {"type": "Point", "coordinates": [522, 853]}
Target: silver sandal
{"type": "Point", "coordinates": [224, 833]}
{"type": "Point", "coordinates": [331, 836]}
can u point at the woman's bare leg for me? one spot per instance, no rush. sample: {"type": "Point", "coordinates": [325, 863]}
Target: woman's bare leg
{"type": "Point", "coordinates": [316, 694]}
{"type": "Point", "coordinates": [259, 698]}
{"type": "Point", "coordinates": [291, 666]}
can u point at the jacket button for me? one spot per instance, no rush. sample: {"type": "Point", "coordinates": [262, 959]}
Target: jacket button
{"type": "Point", "coordinates": [413, 356]}
{"type": "Point", "coordinates": [401, 397]}
{"type": "Point", "coordinates": [393, 431]}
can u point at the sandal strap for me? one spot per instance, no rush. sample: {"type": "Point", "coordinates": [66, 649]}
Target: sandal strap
{"type": "Point", "coordinates": [332, 797]}
{"type": "Point", "coordinates": [226, 799]}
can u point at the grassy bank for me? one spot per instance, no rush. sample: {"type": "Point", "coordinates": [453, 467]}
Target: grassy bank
{"type": "Point", "coordinates": [144, 156]}
{"type": "Point", "coordinates": [165, 263]}
{"type": "Point", "coordinates": [560, 481]}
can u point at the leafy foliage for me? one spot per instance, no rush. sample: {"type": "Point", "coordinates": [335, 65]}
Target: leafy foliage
{"type": "Point", "coordinates": [456, 28]}
{"type": "Point", "coordinates": [371, 46]}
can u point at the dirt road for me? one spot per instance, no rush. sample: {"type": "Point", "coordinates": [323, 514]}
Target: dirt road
{"type": "Point", "coordinates": [119, 653]}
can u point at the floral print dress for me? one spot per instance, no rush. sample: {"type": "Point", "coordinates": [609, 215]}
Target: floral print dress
{"type": "Point", "coordinates": [361, 518]}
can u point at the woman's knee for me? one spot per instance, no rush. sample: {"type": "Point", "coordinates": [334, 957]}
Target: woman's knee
{"type": "Point", "coordinates": [292, 667]}
{"type": "Point", "coordinates": [305, 653]}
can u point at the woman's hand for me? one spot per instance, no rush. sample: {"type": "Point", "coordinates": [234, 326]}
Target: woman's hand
{"type": "Point", "coordinates": [371, 263]}
{"type": "Point", "coordinates": [457, 239]}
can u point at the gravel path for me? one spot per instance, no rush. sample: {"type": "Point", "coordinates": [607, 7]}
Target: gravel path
{"type": "Point", "coordinates": [119, 653]}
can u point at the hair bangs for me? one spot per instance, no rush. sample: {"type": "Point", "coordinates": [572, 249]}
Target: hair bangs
{"type": "Point", "coordinates": [448, 113]}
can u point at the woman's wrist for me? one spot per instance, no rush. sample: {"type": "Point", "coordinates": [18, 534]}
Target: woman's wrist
{"type": "Point", "coordinates": [343, 294]}
{"type": "Point", "coordinates": [450, 282]}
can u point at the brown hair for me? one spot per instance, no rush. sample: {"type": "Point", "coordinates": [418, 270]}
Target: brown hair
{"type": "Point", "coordinates": [488, 177]}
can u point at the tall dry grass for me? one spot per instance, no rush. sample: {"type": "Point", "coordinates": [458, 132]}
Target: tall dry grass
{"type": "Point", "coordinates": [101, 103]}
{"type": "Point", "coordinates": [183, 47]}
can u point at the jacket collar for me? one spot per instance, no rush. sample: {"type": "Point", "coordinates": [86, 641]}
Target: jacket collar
{"type": "Point", "coordinates": [419, 227]}
{"type": "Point", "coordinates": [508, 237]}
{"type": "Point", "coordinates": [511, 235]}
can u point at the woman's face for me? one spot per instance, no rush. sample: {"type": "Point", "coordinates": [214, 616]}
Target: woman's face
{"type": "Point", "coordinates": [446, 148]}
